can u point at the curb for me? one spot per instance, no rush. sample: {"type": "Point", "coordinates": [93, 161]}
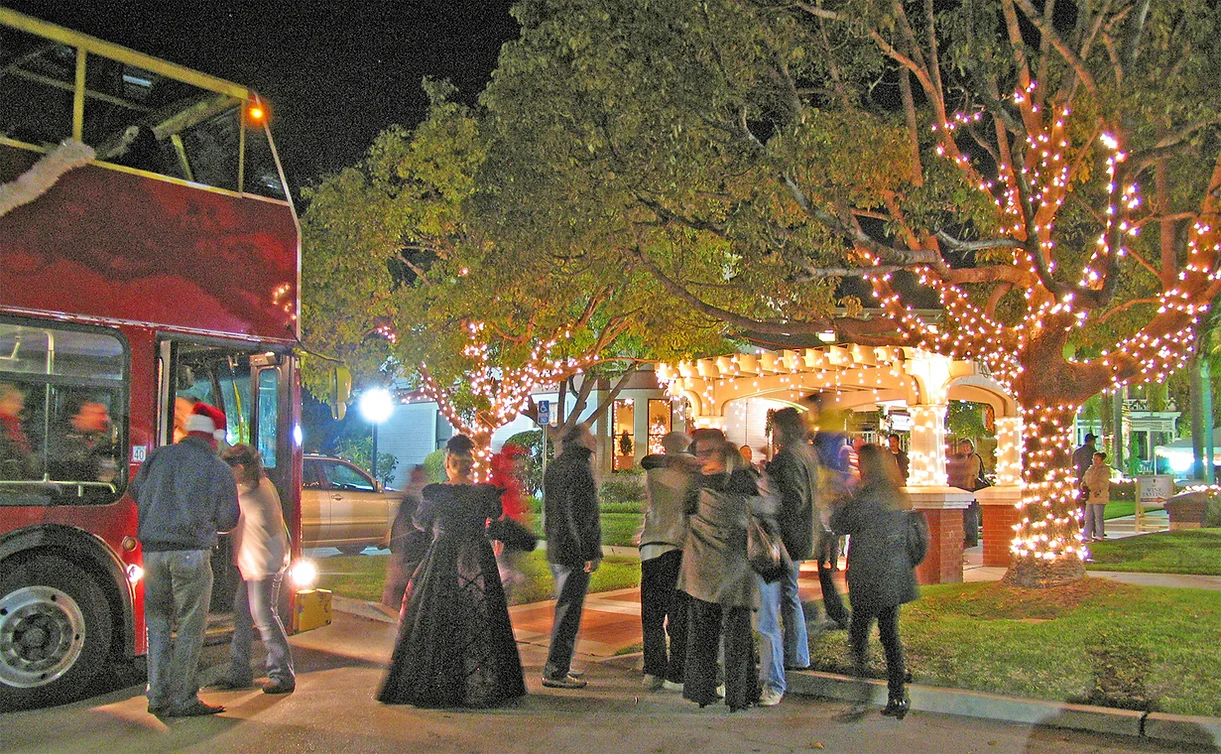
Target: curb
{"type": "Point", "coordinates": [1155, 725]}
{"type": "Point", "coordinates": [361, 608]}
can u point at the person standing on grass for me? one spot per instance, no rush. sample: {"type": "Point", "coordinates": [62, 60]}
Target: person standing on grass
{"type": "Point", "coordinates": [1096, 484]}
{"type": "Point", "coordinates": [574, 547]}
{"type": "Point", "coordinates": [407, 543]}
{"type": "Point", "coordinates": [260, 542]}
{"type": "Point", "coordinates": [663, 607]}
{"type": "Point", "coordinates": [508, 473]}
{"type": "Point", "coordinates": [881, 576]}
{"type": "Point", "coordinates": [1083, 457]}
{"type": "Point", "coordinates": [793, 474]}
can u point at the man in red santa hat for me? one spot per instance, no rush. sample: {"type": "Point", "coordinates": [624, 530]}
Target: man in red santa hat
{"type": "Point", "coordinates": [184, 495]}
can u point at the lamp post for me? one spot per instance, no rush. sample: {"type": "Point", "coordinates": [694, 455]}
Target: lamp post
{"type": "Point", "coordinates": [376, 406]}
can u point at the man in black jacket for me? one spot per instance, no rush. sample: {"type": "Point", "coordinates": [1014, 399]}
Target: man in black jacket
{"type": "Point", "coordinates": [184, 495]}
{"type": "Point", "coordinates": [793, 475]}
{"type": "Point", "coordinates": [574, 547]}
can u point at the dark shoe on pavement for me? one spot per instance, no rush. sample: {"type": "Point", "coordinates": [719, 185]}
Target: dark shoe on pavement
{"type": "Point", "coordinates": [228, 684]}
{"type": "Point", "coordinates": [157, 710]}
{"type": "Point", "coordinates": [567, 682]}
{"type": "Point", "coordinates": [194, 708]}
{"type": "Point", "coordinates": [897, 707]}
{"type": "Point", "coordinates": [279, 687]}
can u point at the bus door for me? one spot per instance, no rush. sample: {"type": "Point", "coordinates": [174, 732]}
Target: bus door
{"type": "Point", "coordinates": [251, 386]}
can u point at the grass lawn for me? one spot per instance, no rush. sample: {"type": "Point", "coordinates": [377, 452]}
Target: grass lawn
{"type": "Point", "coordinates": [1095, 641]}
{"type": "Point", "coordinates": [1119, 509]}
{"type": "Point", "coordinates": [620, 528]}
{"type": "Point", "coordinates": [361, 576]}
{"type": "Point", "coordinates": [1183, 551]}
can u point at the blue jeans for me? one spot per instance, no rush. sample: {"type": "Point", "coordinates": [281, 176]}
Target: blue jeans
{"type": "Point", "coordinates": [254, 606]}
{"type": "Point", "coordinates": [1095, 520]}
{"type": "Point", "coordinates": [177, 589]}
{"type": "Point", "coordinates": [570, 587]}
{"type": "Point", "coordinates": [778, 600]}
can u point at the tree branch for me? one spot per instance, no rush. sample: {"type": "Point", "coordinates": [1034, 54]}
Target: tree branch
{"type": "Point", "coordinates": [600, 410]}
{"type": "Point", "coordinates": [1046, 29]}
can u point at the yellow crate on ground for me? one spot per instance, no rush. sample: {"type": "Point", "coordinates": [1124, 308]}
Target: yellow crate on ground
{"type": "Point", "coordinates": [313, 609]}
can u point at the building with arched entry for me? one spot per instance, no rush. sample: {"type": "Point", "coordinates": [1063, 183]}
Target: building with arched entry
{"type": "Point", "coordinates": [736, 393]}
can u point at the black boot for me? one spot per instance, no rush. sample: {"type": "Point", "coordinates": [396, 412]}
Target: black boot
{"type": "Point", "coordinates": [898, 706]}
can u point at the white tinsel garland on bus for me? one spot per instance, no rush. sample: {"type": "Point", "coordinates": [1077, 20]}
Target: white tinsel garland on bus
{"type": "Point", "coordinates": [43, 174]}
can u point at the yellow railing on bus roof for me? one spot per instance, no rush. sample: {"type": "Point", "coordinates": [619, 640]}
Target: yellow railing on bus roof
{"type": "Point", "coordinates": [113, 51]}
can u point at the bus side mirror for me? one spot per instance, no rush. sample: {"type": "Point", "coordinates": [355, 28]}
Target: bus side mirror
{"type": "Point", "coordinates": [339, 390]}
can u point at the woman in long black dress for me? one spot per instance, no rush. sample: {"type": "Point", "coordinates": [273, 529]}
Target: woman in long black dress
{"type": "Point", "coordinates": [455, 646]}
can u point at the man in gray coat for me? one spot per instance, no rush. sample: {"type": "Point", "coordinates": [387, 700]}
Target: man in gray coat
{"type": "Point", "coordinates": [184, 495]}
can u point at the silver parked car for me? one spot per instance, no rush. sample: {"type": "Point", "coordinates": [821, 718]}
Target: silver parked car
{"type": "Point", "coordinates": [341, 506]}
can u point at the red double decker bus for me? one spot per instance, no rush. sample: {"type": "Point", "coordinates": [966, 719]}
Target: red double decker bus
{"type": "Point", "coordinates": [149, 256]}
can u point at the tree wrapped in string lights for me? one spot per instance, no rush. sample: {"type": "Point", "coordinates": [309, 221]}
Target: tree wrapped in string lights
{"type": "Point", "coordinates": [488, 396]}
{"type": "Point", "coordinates": [839, 165]}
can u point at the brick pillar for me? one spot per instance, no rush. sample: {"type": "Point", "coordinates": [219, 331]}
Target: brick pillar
{"type": "Point", "coordinates": [944, 562]}
{"type": "Point", "coordinates": [942, 508]}
{"type": "Point", "coordinates": [999, 507]}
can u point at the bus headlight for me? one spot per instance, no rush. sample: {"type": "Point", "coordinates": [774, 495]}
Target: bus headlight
{"type": "Point", "coordinates": [303, 573]}
{"type": "Point", "coordinates": [134, 573]}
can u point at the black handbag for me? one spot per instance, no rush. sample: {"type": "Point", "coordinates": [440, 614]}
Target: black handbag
{"type": "Point", "coordinates": [514, 535]}
{"type": "Point", "coordinates": [916, 537]}
{"type": "Point", "coordinates": [765, 550]}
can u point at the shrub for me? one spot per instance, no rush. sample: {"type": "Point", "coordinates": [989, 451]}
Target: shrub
{"type": "Point", "coordinates": [434, 466]}
{"type": "Point", "coordinates": [532, 441]}
{"type": "Point", "coordinates": [1123, 491]}
{"type": "Point", "coordinates": [622, 494]}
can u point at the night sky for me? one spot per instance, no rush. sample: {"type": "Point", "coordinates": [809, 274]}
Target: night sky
{"type": "Point", "coordinates": [335, 73]}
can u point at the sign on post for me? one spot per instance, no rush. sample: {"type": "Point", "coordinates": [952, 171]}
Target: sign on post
{"type": "Point", "coordinates": [1151, 492]}
{"type": "Point", "coordinates": [544, 413]}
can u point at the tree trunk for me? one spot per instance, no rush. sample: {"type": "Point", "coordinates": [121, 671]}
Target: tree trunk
{"type": "Point", "coordinates": [1196, 387]}
{"type": "Point", "coordinates": [1206, 408]}
{"type": "Point", "coordinates": [1046, 549]}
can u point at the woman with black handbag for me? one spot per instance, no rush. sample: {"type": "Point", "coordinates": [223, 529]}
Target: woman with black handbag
{"type": "Point", "coordinates": [718, 577]}
{"type": "Point", "coordinates": [881, 576]}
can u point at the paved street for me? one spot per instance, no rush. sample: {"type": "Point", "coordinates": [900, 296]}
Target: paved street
{"type": "Point", "coordinates": [333, 710]}
{"type": "Point", "coordinates": [340, 667]}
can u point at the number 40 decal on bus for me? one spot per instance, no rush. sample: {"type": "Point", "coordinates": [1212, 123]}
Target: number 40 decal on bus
{"type": "Point", "coordinates": [137, 453]}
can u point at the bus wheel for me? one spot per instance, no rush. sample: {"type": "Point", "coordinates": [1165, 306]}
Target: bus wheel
{"type": "Point", "coordinates": [55, 626]}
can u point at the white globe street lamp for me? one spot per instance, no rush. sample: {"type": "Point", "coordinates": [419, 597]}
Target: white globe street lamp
{"type": "Point", "coordinates": [376, 406]}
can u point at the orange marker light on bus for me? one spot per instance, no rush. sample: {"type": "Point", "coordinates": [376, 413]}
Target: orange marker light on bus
{"type": "Point", "coordinates": [255, 112]}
